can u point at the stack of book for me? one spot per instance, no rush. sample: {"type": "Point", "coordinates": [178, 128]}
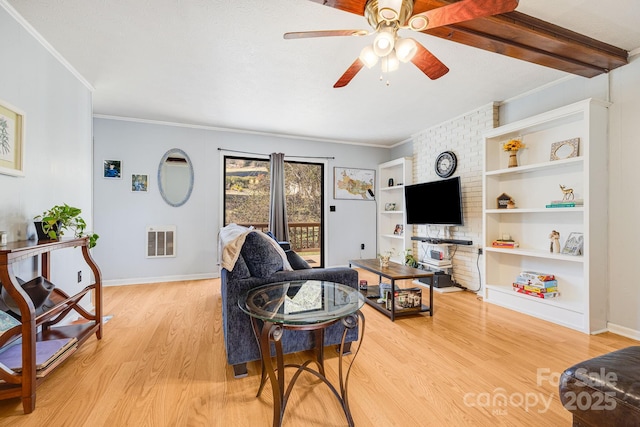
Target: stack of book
{"type": "Point", "coordinates": [509, 244]}
{"type": "Point", "coordinates": [49, 354]}
{"type": "Point", "coordinates": [565, 203]}
{"type": "Point", "coordinates": [539, 285]}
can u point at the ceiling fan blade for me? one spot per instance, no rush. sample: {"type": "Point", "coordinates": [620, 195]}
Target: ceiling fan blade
{"type": "Point", "coordinates": [324, 33]}
{"type": "Point", "coordinates": [461, 11]}
{"type": "Point", "coordinates": [352, 6]}
{"type": "Point", "coordinates": [428, 63]}
{"type": "Point", "coordinates": [349, 74]}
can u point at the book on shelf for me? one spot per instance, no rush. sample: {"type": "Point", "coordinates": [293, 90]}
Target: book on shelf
{"type": "Point", "coordinates": [562, 205]}
{"type": "Point", "coordinates": [47, 353]}
{"type": "Point", "coordinates": [7, 322]}
{"type": "Point", "coordinates": [535, 289]}
{"type": "Point", "coordinates": [565, 203]}
{"type": "Point", "coordinates": [577, 202]}
{"type": "Point", "coordinates": [536, 284]}
{"type": "Point", "coordinates": [537, 294]}
{"type": "Point", "coordinates": [504, 244]}
{"type": "Point", "coordinates": [536, 276]}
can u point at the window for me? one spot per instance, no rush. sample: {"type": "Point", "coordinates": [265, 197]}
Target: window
{"type": "Point", "coordinates": [246, 201]}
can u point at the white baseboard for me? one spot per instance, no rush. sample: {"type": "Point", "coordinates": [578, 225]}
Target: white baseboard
{"type": "Point", "coordinates": [149, 280]}
{"type": "Point", "coordinates": [624, 331]}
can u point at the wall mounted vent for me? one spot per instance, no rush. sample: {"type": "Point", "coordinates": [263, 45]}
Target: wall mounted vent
{"type": "Point", "coordinates": [161, 241]}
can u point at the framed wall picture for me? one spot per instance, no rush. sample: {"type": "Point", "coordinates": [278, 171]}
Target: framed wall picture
{"type": "Point", "coordinates": [573, 245]}
{"type": "Point", "coordinates": [139, 183]}
{"type": "Point", "coordinates": [11, 140]}
{"type": "Point", "coordinates": [112, 169]}
{"type": "Point", "coordinates": [354, 184]}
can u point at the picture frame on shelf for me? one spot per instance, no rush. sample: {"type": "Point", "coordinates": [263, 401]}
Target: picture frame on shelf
{"type": "Point", "coordinates": [139, 183]}
{"type": "Point", "coordinates": [565, 149]}
{"type": "Point", "coordinates": [574, 244]}
{"type": "Point", "coordinates": [353, 184]}
{"type": "Point", "coordinates": [112, 169]}
{"type": "Point", "coordinates": [399, 230]}
{"type": "Point", "coordinates": [12, 125]}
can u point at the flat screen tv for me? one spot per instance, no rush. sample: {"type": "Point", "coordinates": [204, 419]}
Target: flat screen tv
{"type": "Point", "coordinates": [435, 202]}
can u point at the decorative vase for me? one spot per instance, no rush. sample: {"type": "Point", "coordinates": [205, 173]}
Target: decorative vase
{"type": "Point", "coordinates": [384, 261]}
{"type": "Point", "coordinates": [40, 232]}
{"type": "Point", "coordinates": [513, 159]}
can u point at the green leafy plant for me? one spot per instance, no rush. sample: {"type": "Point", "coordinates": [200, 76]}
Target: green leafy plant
{"type": "Point", "coordinates": [64, 217]}
{"type": "Point", "coordinates": [409, 259]}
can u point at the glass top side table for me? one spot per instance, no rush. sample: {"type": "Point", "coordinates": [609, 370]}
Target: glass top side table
{"type": "Point", "coordinates": [309, 305]}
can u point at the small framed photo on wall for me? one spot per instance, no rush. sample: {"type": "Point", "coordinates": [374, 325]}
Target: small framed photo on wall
{"type": "Point", "coordinates": [139, 183]}
{"type": "Point", "coordinates": [113, 169]}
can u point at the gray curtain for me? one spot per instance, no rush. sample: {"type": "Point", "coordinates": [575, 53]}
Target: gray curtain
{"type": "Point", "coordinates": [278, 205]}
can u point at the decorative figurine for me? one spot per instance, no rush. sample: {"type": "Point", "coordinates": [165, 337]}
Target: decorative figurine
{"type": "Point", "coordinates": [567, 193]}
{"type": "Point", "coordinates": [554, 246]}
{"type": "Point", "coordinates": [511, 204]}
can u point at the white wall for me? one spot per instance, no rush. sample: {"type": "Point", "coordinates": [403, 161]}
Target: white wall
{"type": "Point", "coordinates": [58, 156]}
{"type": "Point", "coordinates": [121, 216]}
{"type": "Point", "coordinates": [622, 88]}
{"type": "Point", "coordinates": [624, 200]}
{"type": "Point", "coordinates": [463, 136]}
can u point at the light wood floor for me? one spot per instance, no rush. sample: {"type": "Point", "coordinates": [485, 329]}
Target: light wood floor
{"type": "Point", "coordinates": [162, 363]}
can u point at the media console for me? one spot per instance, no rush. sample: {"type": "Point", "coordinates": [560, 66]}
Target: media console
{"type": "Point", "coordinates": [437, 241]}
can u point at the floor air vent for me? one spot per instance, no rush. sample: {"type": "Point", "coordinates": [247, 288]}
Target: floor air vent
{"type": "Point", "coordinates": [161, 241]}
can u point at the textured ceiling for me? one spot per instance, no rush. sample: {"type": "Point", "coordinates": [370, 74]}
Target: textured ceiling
{"type": "Point", "coordinates": [224, 64]}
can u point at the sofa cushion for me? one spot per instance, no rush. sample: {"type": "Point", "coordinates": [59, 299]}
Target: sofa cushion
{"type": "Point", "coordinates": [260, 256]}
{"type": "Point", "coordinates": [240, 270]}
{"type": "Point", "coordinates": [296, 261]}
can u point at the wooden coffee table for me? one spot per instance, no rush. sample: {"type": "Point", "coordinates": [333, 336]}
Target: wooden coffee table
{"type": "Point", "coordinates": [393, 272]}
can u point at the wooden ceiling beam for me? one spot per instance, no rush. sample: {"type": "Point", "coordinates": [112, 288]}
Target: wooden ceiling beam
{"type": "Point", "coordinates": [519, 36]}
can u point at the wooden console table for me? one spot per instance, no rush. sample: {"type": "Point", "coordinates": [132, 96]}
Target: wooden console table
{"type": "Point", "coordinates": [393, 272]}
{"type": "Point", "coordinates": [36, 328]}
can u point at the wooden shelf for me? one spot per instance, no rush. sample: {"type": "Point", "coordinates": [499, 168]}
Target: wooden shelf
{"type": "Point", "coordinates": [43, 327]}
{"type": "Point", "coordinates": [559, 164]}
{"type": "Point", "coordinates": [400, 170]}
{"type": "Point", "coordinates": [582, 280]}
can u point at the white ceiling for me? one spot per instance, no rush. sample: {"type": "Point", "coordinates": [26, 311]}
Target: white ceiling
{"type": "Point", "coordinates": [224, 64]}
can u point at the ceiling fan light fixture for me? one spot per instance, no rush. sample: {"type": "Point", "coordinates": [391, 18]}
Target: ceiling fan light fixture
{"type": "Point", "coordinates": [383, 43]}
{"type": "Point", "coordinates": [405, 49]}
{"type": "Point", "coordinates": [368, 56]}
{"type": "Point", "coordinates": [389, 10]}
{"type": "Point", "coordinates": [390, 63]}
{"type": "Point", "coordinates": [418, 22]}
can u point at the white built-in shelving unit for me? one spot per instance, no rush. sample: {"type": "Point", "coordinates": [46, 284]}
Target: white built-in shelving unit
{"type": "Point", "coordinates": [582, 279]}
{"type": "Point", "coordinates": [400, 171]}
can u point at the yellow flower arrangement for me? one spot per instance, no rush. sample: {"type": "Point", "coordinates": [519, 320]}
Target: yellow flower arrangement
{"type": "Point", "coordinates": [513, 145]}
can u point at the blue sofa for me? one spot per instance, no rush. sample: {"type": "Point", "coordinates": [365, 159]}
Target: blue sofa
{"type": "Point", "coordinates": [258, 264]}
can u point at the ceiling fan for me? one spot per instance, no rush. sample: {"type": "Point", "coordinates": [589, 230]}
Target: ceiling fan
{"type": "Point", "coordinates": [386, 17]}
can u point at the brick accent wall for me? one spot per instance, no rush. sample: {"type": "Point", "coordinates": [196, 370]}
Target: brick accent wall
{"type": "Point", "coordinates": [463, 136]}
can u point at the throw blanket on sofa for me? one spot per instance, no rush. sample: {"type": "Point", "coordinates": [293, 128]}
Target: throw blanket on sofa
{"type": "Point", "coordinates": [232, 237]}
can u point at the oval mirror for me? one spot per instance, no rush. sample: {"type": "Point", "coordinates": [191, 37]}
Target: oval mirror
{"type": "Point", "coordinates": [175, 177]}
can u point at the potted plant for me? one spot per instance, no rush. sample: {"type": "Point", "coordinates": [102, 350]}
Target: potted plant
{"type": "Point", "coordinates": [385, 257]}
{"type": "Point", "coordinates": [409, 259]}
{"type": "Point", "coordinates": [54, 222]}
